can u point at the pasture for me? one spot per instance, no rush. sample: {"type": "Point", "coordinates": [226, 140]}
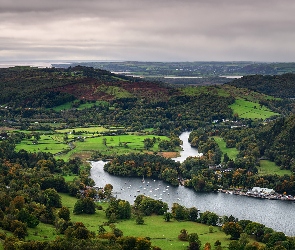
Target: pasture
{"type": "Point", "coordinates": [66, 143]}
{"type": "Point", "coordinates": [231, 152]}
{"type": "Point", "coordinates": [162, 234]}
{"type": "Point", "coordinates": [251, 110]}
{"type": "Point", "coordinates": [269, 167]}
{"type": "Point", "coordinates": [47, 143]}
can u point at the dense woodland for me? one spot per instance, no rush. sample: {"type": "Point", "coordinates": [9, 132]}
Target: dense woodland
{"type": "Point", "coordinates": [274, 85]}
{"type": "Point", "coordinates": [30, 182]}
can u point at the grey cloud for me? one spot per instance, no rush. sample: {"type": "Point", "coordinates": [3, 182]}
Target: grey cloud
{"type": "Point", "coordinates": [148, 29]}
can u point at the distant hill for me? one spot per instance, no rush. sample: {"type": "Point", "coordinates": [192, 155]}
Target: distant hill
{"type": "Point", "coordinates": [282, 86]}
{"type": "Point", "coordinates": [50, 87]}
{"type": "Point", "coordinates": [198, 68]}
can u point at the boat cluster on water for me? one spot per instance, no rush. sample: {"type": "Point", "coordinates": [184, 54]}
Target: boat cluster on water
{"type": "Point", "coordinates": [259, 194]}
{"type": "Point", "coordinates": [152, 190]}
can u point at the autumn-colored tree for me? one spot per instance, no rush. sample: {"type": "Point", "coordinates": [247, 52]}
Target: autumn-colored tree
{"type": "Point", "coordinates": [78, 231]}
{"type": "Point", "coordinates": [18, 202]}
{"type": "Point", "coordinates": [183, 236]}
{"type": "Point", "coordinates": [207, 246]}
{"type": "Point", "coordinates": [233, 229]}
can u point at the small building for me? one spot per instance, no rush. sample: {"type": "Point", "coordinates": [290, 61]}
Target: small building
{"type": "Point", "coordinates": [262, 190]}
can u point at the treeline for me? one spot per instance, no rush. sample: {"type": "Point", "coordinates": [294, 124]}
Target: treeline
{"type": "Point", "coordinates": [144, 165]}
{"type": "Point", "coordinates": [274, 85]}
{"type": "Point", "coordinates": [274, 141]}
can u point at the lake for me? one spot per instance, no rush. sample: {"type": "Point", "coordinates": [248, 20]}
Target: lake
{"type": "Point", "coordinates": [275, 214]}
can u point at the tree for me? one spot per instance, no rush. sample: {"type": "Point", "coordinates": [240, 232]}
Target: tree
{"type": "Point", "coordinates": [78, 231]}
{"type": "Point", "coordinates": [194, 242]}
{"type": "Point", "coordinates": [84, 205]}
{"type": "Point", "coordinates": [64, 213]}
{"type": "Point", "coordinates": [167, 216]}
{"type": "Point", "coordinates": [179, 212]}
{"type": "Point", "coordinates": [30, 219]}
{"type": "Point", "coordinates": [244, 239]}
{"type": "Point", "coordinates": [149, 143]}
{"type": "Point", "coordinates": [207, 246]}
{"type": "Point", "coordinates": [256, 229]}
{"type": "Point", "coordinates": [139, 219]}
{"type": "Point", "coordinates": [235, 245]}
{"type": "Point", "coordinates": [120, 208]}
{"type": "Point", "coordinates": [233, 229]}
{"type": "Point", "coordinates": [193, 214]}
{"type": "Point", "coordinates": [108, 188]}
{"type": "Point", "coordinates": [19, 229]}
{"type": "Point", "coordinates": [183, 236]}
{"type": "Point", "coordinates": [51, 198]}
{"type": "Point", "coordinates": [61, 225]}
{"type": "Point", "coordinates": [209, 218]}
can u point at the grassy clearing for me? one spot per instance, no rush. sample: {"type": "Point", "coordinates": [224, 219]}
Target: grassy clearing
{"type": "Point", "coordinates": [114, 91]}
{"type": "Point", "coordinates": [64, 106]}
{"type": "Point", "coordinates": [47, 143]}
{"type": "Point", "coordinates": [164, 234]}
{"type": "Point", "coordinates": [251, 110]}
{"type": "Point", "coordinates": [93, 129]}
{"type": "Point", "coordinates": [269, 167]}
{"type": "Point", "coordinates": [82, 106]}
{"type": "Point", "coordinates": [42, 232]}
{"type": "Point", "coordinates": [86, 140]}
{"type": "Point", "coordinates": [192, 91]}
{"type": "Point", "coordinates": [231, 152]}
{"type": "Point", "coordinates": [113, 145]}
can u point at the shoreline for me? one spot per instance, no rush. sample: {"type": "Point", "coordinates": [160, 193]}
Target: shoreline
{"type": "Point", "coordinates": [260, 195]}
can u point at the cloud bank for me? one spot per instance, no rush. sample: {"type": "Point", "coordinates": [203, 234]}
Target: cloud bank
{"type": "Point", "coordinates": [147, 30]}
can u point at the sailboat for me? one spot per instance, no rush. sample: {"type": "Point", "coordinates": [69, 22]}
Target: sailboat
{"type": "Point", "coordinates": [143, 181]}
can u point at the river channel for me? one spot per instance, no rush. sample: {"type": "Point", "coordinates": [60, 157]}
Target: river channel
{"type": "Point", "coordinates": [276, 214]}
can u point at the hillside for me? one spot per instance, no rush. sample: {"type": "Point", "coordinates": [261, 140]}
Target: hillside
{"type": "Point", "coordinates": [81, 96]}
{"type": "Point", "coordinates": [35, 88]}
{"type": "Point", "coordinates": [282, 86]}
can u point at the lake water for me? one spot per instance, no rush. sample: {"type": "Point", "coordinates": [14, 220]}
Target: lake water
{"type": "Point", "coordinates": [275, 214]}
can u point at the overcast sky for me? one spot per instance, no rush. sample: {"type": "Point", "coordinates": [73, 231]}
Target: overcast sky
{"type": "Point", "coordinates": [148, 30]}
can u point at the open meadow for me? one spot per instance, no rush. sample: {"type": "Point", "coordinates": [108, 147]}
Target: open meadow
{"type": "Point", "coordinates": [251, 110]}
{"type": "Point", "coordinates": [162, 234]}
{"type": "Point", "coordinates": [269, 167]}
{"type": "Point", "coordinates": [67, 143]}
{"type": "Point", "coordinates": [231, 152]}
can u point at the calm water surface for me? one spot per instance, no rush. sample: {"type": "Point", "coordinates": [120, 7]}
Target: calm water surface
{"type": "Point", "coordinates": [275, 214]}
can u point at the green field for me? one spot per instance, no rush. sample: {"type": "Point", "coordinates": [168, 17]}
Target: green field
{"type": "Point", "coordinates": [85, 130]}
{"type": "Point", "coordinates": [85, 141]}
{"type": "Point", "coordinates": [231, 152]}
{"type": "Point", "coordinates": [162, 234]}
{"type": "Point", "coordinates": [251, 110]}
{"type": "Point", "coordinates": [115, 145]}
{"type": "Point", "coordinates": [82, 106]}
{"type": "Point", "coordinates": [192, 91]}
{"type": "Point", "coordinates": [47, 143]}
{"type": "Point", "coordinates": [269, 167]}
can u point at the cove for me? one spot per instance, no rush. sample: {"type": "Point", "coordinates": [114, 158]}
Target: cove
{"type": "Point", "coordinates": [275, 214]}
